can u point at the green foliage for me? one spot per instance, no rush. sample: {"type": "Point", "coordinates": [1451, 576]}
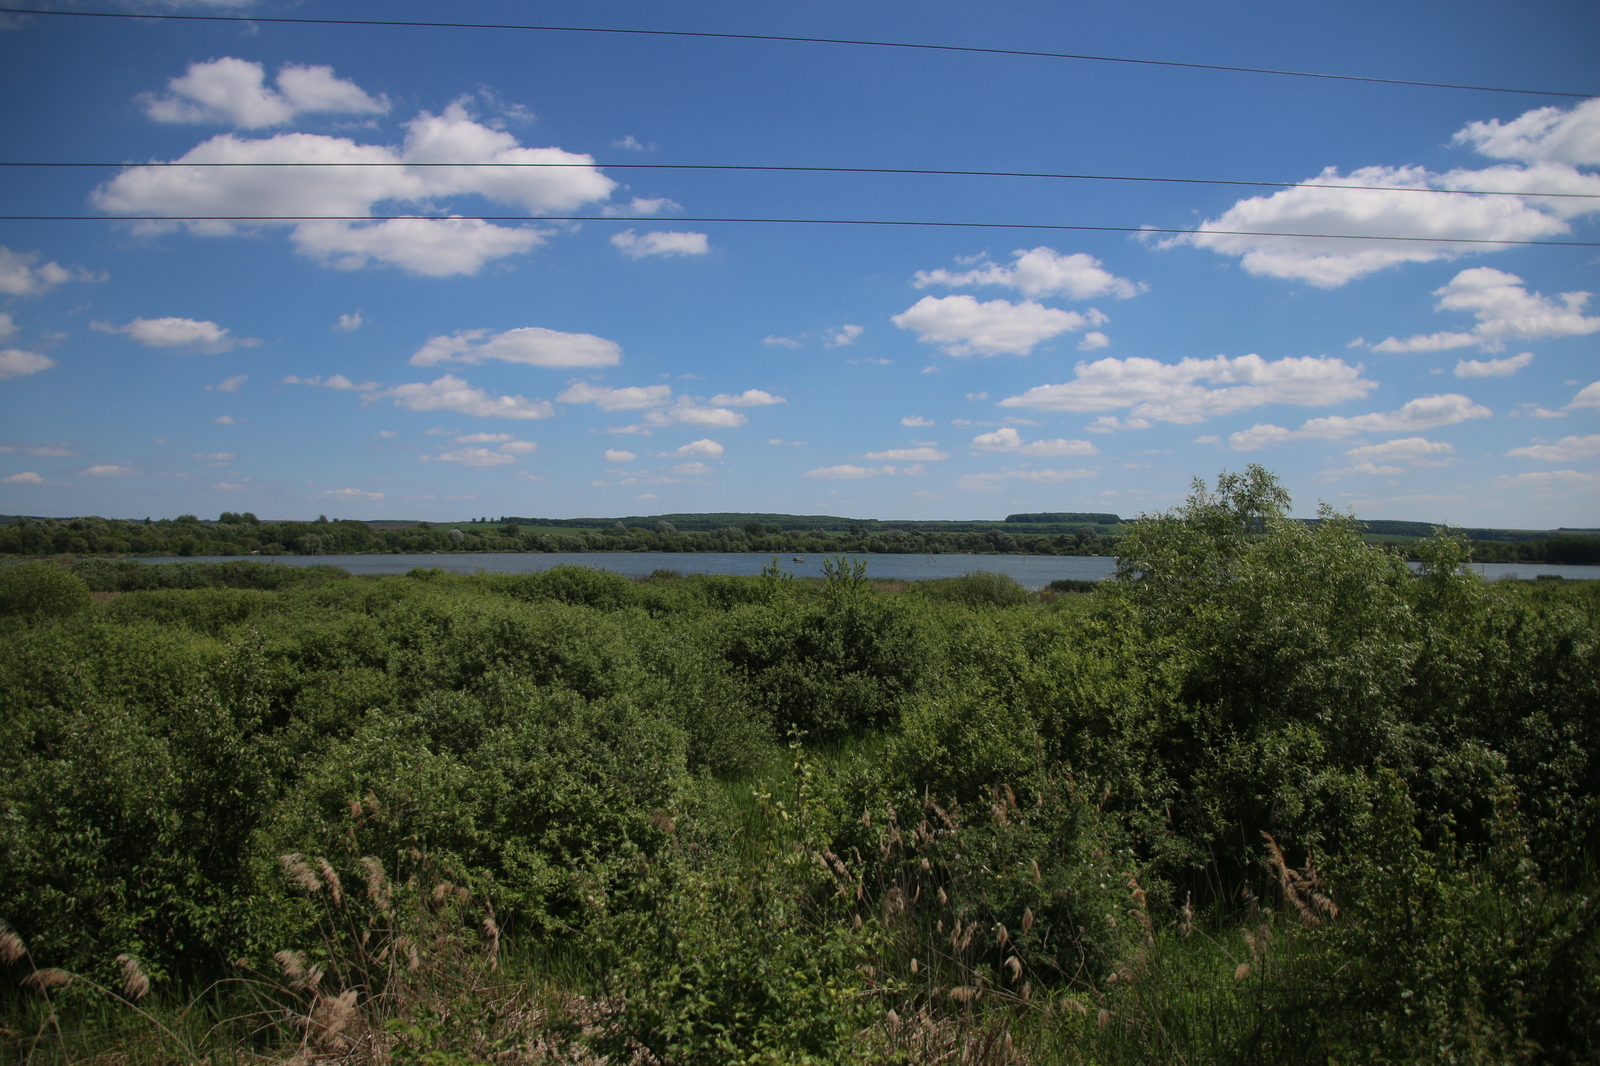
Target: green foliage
{"type": "Point", "coordinates": [976, 589]}
{"type": "Point", "coordinates": [1002, 829]}
{"type": "Point", "coordinates": [826, 667]}
{"type": "Point", "coordinates": [1067, 584]}
{"type": "Point", "coordinates": [235, 534]}
{"type": "Point", "coordinates": [40, 591]}
{"type": "Point", "coordinates": [130, 575]}
{"type": "Point", "coordinates": [738, 963]}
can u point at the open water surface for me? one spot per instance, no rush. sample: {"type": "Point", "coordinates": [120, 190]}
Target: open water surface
{"type": "Point", "coordinates": [1033, 571]}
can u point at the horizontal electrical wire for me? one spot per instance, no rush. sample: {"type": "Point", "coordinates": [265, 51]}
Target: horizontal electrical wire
{"type": "Point", "coordinates": [737, 168]}
{"type": "Point", "coordinates": [909, 45]}
{"type": "Point", "coordinates": [636, 219]}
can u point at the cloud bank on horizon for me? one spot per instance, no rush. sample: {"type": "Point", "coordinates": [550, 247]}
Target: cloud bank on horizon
{"type": "Point", "coordinates": [906, 372]}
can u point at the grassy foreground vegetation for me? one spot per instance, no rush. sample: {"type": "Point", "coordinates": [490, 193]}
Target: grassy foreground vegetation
{"type": "Point", "coordinates": [1266, 796]}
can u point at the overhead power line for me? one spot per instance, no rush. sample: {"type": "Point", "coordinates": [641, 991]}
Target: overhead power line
{"type": "Point", "coordinates": [851, 170]}
{"type": "Point", "coordinates": [782, 221]}
{"type": "Point", "coordinates": [910, 45]}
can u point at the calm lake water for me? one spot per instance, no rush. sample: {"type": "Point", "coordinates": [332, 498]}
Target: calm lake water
{"type": "Point", "coordinates": [1034, 571]}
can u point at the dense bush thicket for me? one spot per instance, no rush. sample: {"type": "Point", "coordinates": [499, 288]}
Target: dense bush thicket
{"type": "Point", "coordinates": [1268, 794]}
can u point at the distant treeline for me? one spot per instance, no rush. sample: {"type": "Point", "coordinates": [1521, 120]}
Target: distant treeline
{"type": "Point", "coordinates": [1063, 522]}
{"type": "Point", "coordinates": [244, 534]}
{"type": "Point", "coordinates": [1042, 534]}
{"type": "Point", "coordinates": [1387, 528]}
{"type": "Point", "coordinates": [1569, 548]}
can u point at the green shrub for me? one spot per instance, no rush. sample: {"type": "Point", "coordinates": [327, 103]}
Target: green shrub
{"type": "Point", "coordinates": [35, 590]}
{"type": "Point", "coordinates": [977, 589]}
{"type": "Point", "coordinates": [1072, 584]}
{"type": "Point", "coordinates": [131, 575]}
{"type": "Point", "coordinates": [580, 586]}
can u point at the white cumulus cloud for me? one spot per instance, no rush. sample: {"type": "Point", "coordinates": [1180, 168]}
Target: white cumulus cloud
{"type": "Point", "coordinates": [704, 448]}
{"type": "Point", "coordinates": [747, 398]}
{"type": "Point", "coordinates": [1492, 368]}
{"type": "Point", "coordinates": [1504, 309]}
{"type": "Point", "coordinates": [112, 470]}
{"type": "Point", "coordinates": [1588, 397]}
{"type": "Point", "coordinates": [1179, 392]}
{"type": "Point", "coordinates": [917, 421]}
{"type": "Point", "coordinates": [21, 273]}
{"type": "Point", "coordinates": [1355, 209]}
{"type": "Point", "coordinates": [1544, 135]}
{"type": "Point", "coordinates": [197, 335]}
{"type": "Point", "coordinates": [1551, 143]}
{"type": "Point", "coordinates": [529, 345]}
{"type": "Point", "coordinates": [631, 398]}
{"type": "Point", "coordinates": [641, 207]}
{"type": "Point", "coordinates": [1403, 449]}
{"type": "Point", "coordinates": [432, 247]}
{"type": "Point", "coordinates": [234, 91]}
{"type": "Point", "coordinates": [16, 363]}
{"type": "Point", "coordinates": [908, 455]}
{"type": "Point", "coordinates": [1572, 479]}
{"type": "Point", "coordinates": [1007, 439]}
{"type": "Point", "coordinates": [1425, 412]}
{"type": "Point", "coordinates": [1368, 468]}
{"type": "Point", "coordinates": [435, 247]}
{"type": "Point", "coordinates": [336, 381]}
{"type": "Point", "coordinates": [1565, 450]}
{"type": "Point", "coordinates": [850, 472]}
{"type": "Point", "coordinates": [615, 455]}
{"type": "Point", "coordinates": [508, 451]}
{"type": "Point", "coordinates": [351, 495]}
{"type": "Point", "coordinates": [450, 393]}
{"type": "Point", "coordinates": [1038, 272]}
{"type": "Point", "coordinates": [842, 335]}
{"type": "Point", "coordinates": [963, 326]}
{"type": "Point", "coordinates": [347, 323]}
{"type": "Point", "coordinates": [687, 412]}
{"type": "Point", "coordinates": [660, 242]}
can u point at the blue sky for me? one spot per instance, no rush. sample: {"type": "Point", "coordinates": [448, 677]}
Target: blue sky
{"type": "Point", "coordinates": [639, 362]}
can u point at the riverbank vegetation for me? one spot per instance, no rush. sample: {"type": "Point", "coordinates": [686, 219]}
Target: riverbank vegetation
{"type": "Point", "coordinates": [1266, 795]}
{"type": "Point", "coordinates": [234, 534]}
{"type": "Point", "coordinates": [238, 534]}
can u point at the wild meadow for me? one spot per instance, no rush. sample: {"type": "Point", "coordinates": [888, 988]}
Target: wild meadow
{"type": "Point", "coordinates": [1267, 795]}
